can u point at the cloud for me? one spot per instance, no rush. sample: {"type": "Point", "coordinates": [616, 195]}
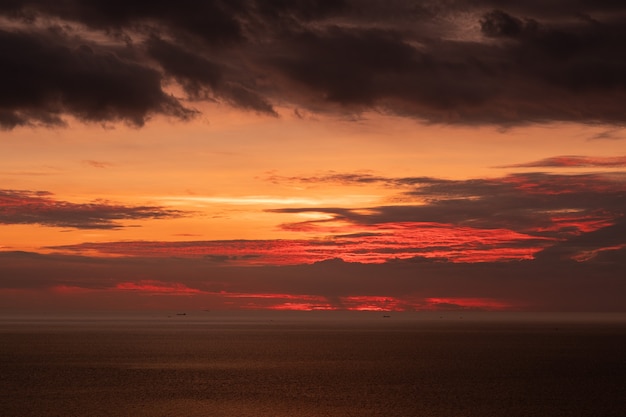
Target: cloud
{"type": "Point", "coordinates": [392, 241]}
{"type": "Point", "coordinates": [519, 72]}
{"type": "Point", "coordinates": [40, 207]}
{"type": "Point", "coordinates": [595, 245]}
{"type": "Point", "coordinates": [519, 209]}
{"type": "Point", "coordinates": [537, 203]}
{"type": "Point", "coordinates": [574, 161]}
{"type": "Point", "coordinates": [498, 24]}
{"type": "Point", "coordinates": [466, 304]}
{"type": "Point", "coordinates": [61, 281]}
{"type": "Point", "coordinates": [97, 164]}
{"type": "Point", "coordinates": [440, 62]}
{"type": "Point", "coordinates": [203, 79]}
{"type": "Point", "coordinates": [611, 134]}
{"type": "Point", "coordinates": [52, 76]}
{"type": "Point", "coordinates": [157, 287]}
{"type": "Point", "coordinates": [213, 21]}
{"type": "Point", "coordinates": [515, 217]}
{"type": "Point", "coordinates": [350, 179]}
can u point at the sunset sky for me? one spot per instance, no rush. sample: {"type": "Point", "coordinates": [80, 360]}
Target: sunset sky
{"type": "Point", "coordinates": [309, 154]}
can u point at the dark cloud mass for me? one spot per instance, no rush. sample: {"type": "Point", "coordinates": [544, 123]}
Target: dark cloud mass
{"type": "Point", "coordinates": [477, 62]}
{"type": "Point", "coordinates": [40, 207]}
{"type": "Point", "coordinates": [560, 207]}
{"type": "Point", "coordinates": [531, 241]}
{"type": "Point", "coordinates": [532, 286]}
{"type": "Point", "coordinates": [46, 77]}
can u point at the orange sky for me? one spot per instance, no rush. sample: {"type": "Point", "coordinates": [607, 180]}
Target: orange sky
{"type": "Point", "coordinates": [229, 173]}
{"type": "Point", "coordinates": [409, 154]}
{"type": "Point", "coordinates": [225, 179]}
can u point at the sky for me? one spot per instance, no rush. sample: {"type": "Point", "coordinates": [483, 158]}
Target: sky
{"type": "Point", "coordinates": [313, 155]}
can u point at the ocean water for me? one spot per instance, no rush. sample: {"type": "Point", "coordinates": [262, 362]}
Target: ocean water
{"type": "Point", "coordinates": [318, 364]}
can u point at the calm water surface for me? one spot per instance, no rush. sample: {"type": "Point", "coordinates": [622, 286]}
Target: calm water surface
{"type": "Point", "coordinates": [215, 364]}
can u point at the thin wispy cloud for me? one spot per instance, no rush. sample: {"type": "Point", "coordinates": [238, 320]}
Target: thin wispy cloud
{"type": "Point", "coordinates": [348, 179]}
{"type": "Point", "coordinates": [97, 164]}
{"type": "Point", "coordinates": [40, 207]}
{"type": "Point", "coordinates": [574, 161]}
{"type": "Point", "coordinates": [611, 134]}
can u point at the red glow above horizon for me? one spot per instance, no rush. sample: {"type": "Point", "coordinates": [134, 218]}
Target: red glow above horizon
{"type": "Point", "coordinates": [71, 290]}
{"type": "Point", "coordinates": [370, 244]}
{"type": "Point", "coordinates": [387, 303]}
{"type": "Point", "coordinates": [590, 254]}
{"type": "Point", "coordinates": [583, 224]}
{"type": "Point", "coordinates": [468, 303]}
{"type": "Point", "coordinates": [300, 307]}
{"type": "Point", "coordinates": [156, 287]}
{"type": "Point", "coordinates": [377, 303]}
{"type": "Point", "coordinates": [284, 301]}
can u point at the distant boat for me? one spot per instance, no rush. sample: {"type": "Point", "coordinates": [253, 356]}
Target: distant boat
{"type": "Point", "coordinates": [181, 314]}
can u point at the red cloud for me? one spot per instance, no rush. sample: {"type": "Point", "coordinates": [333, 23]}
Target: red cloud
{"type": "Point", "coordinates": [383, 243]}
{"type": "Point", "coordinates": [448, 303]}
{"type": "Point", "coordinates": [464, 221]}
{"type": "Point", "coordinates": [367, 303]}
{"type": "Point", "coordinates": [370, 303]}
{"type": "Point", "coordinates": [156, 287]}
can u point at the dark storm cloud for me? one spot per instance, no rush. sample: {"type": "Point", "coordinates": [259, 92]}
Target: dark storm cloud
{"type": "Point", "coordinates": [213, 21]}
{"type": "Point", "coordinates": [477, 62]}
{"type": "Point", "coordinates": [38, 207]}
{"type": "Point", "coordinates": [192, 71]}
{"type": "Point", "coordinates": [583, 55]}
{"type": "Point", "coordinates": [203, 79]}
{"type": "Point", "coordinates": [348, 66]}
{"type": "Point", "coordinates": [499, 24]}
{"type": "Point", "coordinates": [45, 77]}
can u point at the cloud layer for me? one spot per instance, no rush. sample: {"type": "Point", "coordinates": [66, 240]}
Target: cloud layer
{"type": "Point", "coordinates": [532, 241]}
{"type": "Point", "coordinates": [515, 217]}
{"type": "Point", "coordinates": [40, 207]}
{"type": "Point", "coordinates": [478, 62]}
{"type": "Point", "coordinates": [60, 281]}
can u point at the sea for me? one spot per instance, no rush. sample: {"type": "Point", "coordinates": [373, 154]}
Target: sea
{"type": "Point", "coordinates": [237, 364]}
